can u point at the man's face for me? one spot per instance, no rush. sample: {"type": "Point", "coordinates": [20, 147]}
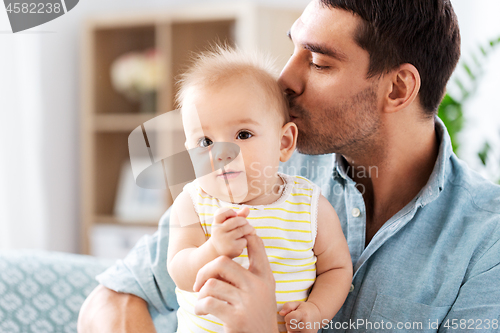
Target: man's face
{"type": "Point", "coordinates": [332, 102]}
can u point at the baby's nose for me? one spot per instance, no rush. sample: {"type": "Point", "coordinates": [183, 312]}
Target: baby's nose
{"type": "Point", "coordinates": [225, 151]}
{"type": "Point", "coordinates": [224, 155]}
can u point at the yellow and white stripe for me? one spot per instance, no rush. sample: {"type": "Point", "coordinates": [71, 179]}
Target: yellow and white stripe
{"type": "Point", "coordinates": [288, 229]}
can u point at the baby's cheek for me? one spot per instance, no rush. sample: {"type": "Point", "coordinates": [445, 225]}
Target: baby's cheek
{"type": "Point", "coordinates": [208, 184]}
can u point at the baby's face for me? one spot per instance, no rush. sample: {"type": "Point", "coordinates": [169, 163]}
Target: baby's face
{"type": "Point", "coordinates": [236, 114]}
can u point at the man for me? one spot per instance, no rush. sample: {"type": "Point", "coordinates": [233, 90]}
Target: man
{"type": "Point", "coordinates": [423, 230]}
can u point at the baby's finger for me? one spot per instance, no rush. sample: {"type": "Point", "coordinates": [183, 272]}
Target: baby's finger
{"type": "Point", "coordinates": [241, 244]}
{"type": "Point", "coordinates": [243, 212]}
{"type": "Point", "coordinates": [242, 231]}
{"type": "Point", "coordinates": [292, 319]}
{"type": "Point", "coordinates": [222, 214]}
{"type": "Point", "coordinates": [288, 307]}
{"type": "Point", "coordinates": [235, 247]}
{"type": "Point", "coordinates": [233, 223]}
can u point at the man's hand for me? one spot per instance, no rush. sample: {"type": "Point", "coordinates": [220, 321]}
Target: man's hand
{"type": "Point", "coordinates": [243, 299]}
{"type": "Point", "coordinates": [299, 315]}
{"type": "Point", "coordinates": [107, 311]}
{"type": "Point", "coordinates": [229, 230]}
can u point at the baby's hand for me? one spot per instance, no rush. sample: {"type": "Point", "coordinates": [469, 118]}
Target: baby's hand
{"type": "Point", "coordinates": [301, 317]}
{"type": "Point", "coordinates": [228, 231]}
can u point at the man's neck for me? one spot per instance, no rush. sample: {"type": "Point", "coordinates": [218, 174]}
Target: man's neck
{"type": "Point", "coordinates": [391, 177]}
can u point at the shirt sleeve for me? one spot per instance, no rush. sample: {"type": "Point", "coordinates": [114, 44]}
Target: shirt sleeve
{"type": "Point", "coordinates": [144, 273]}
{"type": "Point", "coordinates": [477, 307]}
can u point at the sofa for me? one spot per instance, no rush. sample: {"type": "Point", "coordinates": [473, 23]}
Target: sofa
{"type": "Point", "coordinates": [43, 291]}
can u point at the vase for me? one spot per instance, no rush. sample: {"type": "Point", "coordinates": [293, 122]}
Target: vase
{"type": "Point", "coordinates": [148, 102]}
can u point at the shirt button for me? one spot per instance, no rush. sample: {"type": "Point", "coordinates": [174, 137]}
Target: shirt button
{"type": "Point", "coordinates": [351, 289]}
{"type": "Point", "coordinates": [356, 212]}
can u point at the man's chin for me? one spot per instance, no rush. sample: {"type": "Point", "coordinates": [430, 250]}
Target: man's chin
{"type": "Point", "coordinates": [308, 146]}
{"type": "Point", "coordinates": [307, 149]}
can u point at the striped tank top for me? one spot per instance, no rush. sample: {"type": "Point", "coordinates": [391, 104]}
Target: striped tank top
{"type": "Point", "coordinates": [288, 229]}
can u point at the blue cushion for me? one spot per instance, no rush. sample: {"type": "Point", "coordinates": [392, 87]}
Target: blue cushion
{"type": "Point", "coordinates": [43, 291]}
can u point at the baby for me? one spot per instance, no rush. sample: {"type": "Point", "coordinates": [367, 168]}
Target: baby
{"type": "Point", "coordinates": [234, 112]}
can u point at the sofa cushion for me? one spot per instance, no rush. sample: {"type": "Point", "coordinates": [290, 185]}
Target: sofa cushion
{"type": "Point", "coordinates": [43, 291]}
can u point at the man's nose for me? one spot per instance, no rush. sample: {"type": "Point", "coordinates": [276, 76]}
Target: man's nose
{"type": "Point", "coordinates": [291, 78]}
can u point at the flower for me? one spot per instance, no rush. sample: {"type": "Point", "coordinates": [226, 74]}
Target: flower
{"type": "Point", "coordinates": [136, 73]}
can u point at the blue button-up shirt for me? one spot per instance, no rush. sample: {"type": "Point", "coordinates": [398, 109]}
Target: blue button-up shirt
{"type": "Point", "coordinates": [434, 266]}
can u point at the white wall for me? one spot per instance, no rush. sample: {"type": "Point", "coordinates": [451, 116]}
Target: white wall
{"type": "Point", "coordinates": [39, 112]}
{"type": "Point", "coordinates": [21, 109]}
{"type": "Point", "coordinates": [479, 24]}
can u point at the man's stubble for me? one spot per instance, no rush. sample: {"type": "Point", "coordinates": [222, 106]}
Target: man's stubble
{"type": "Point", "coordinates": [348, 128]}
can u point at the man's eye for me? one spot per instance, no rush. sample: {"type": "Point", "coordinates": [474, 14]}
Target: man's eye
{"type": "Point", "coordinates": [318, 67]}
{"type": "Point", "coordinates": [243, 135]}
{"type": "Point", "coordinates": [204, 142]}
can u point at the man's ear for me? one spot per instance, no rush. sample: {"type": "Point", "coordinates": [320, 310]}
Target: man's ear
{"type": "Point", "coordinates": [403, 88]}
{"type": "Point", "coordinates": [288, 140]}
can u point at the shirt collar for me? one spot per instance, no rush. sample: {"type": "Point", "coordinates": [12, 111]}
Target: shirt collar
{"type": "Point", "coordinates": [436, 181]}
{"type": "Point", "coordinates": [339, 167]}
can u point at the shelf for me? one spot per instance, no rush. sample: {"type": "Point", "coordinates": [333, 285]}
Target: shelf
{"type": "Point", "coordinates": [119, 122]}
{"type": "Point", "coordinates": [111, 43]}
{"type": "Point", "coordinates": [111, 219]}
{"type": "Point", "coordinates": [108, 117]}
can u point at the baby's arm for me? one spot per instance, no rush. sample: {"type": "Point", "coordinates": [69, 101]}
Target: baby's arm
{"type": "Point", "coordinates": [333, 270]}
{"type": "Point", "coordinates": [188, 248]}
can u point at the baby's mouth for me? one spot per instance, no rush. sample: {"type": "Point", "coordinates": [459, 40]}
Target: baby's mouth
{"type": "Point", "coordinates": [229, 174]}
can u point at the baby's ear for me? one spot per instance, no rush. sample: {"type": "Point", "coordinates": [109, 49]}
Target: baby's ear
{"type": "Point", "coordinates": [288, 138]}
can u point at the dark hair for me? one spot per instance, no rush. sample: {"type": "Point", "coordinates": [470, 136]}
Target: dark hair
{"type": "Point", "coordinates": [423, 33]}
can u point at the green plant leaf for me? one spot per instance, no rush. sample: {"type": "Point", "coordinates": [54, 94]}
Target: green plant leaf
{"type": "Point", "coordinates": [469, 71]}
{"type": "Point", "coordinates": [483, 153]}
{"type": "Point", "coordinates": [451, 109]}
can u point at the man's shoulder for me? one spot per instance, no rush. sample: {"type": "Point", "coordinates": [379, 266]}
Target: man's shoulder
{"type": "Point", "coordinates": [467, 211]}
{"type": "Point", "coordinates": [465, 183]}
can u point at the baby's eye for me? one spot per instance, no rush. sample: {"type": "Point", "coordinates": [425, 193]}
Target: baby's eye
{"type": "Point", "coordinates": [243, 135]}
{"type": "Point", "coordinates": [204, 142]}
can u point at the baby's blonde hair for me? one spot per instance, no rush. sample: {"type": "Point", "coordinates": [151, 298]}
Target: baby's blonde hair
{"type": "Point", "coordinates": [221, 64]}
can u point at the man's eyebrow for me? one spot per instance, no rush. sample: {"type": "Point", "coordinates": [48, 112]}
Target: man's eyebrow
{"type": "Point", "coordinates": [322, 49]}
